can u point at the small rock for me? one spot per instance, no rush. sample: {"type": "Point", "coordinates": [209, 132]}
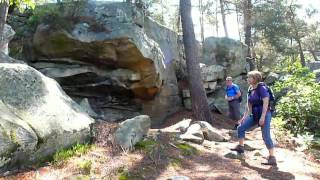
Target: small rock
{"type": "Point", "coordinates": [249, 148]}
{"type": "Point", "coordinates": [233, 155]}
{"type": "Point", "coordinates": [257, 154]}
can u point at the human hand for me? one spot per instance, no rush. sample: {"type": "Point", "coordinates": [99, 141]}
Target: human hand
{"type": "Point", "coordinates": [261, 121]}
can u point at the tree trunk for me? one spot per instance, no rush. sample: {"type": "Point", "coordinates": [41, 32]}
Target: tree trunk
{"type": "Point", "coordinates": [313, 53]}
{"type": "Point", "coordinates": [297, 38]}
{"type": "Point", "coordinates": [238, 22]}
{"type": "Point", "coordinates": [201, 21]}
{"type": "Point", "coordinates": [200, 107]}
{"type": "Point", "coordinates": [302, 59]}
{"type": "Point", "coordinates": [4, 6]}
{"type": "Point", "coordinates": [217, 22]}
{"type": "Point", "coordinates": [247, 31]}
{"type": "Point", "coordinates": [223, 15]}
{"type": "Point", "coordinates": [178, 20]}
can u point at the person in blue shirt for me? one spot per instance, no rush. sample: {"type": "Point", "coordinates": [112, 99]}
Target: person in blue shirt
{"type": "Point", "coordinates": [258, 112]}
{"type": "Point", "coordinates": [232, 96]}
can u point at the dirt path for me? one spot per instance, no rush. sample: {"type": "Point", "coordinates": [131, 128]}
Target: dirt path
{"type": "Point", "coordinates": [165, 160]}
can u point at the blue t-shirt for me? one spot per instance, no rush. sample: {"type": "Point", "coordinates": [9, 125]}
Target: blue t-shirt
{"type": "Point", "coordinates": [232, 90]}
{"type": "Point", "coordinates": [255, 99]}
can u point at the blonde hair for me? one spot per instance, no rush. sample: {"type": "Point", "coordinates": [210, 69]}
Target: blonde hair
{"type": "Point", "coordinates": [256, 75]}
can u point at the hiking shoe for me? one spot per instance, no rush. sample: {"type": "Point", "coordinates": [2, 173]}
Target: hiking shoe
{"type": "Point", "coordinates": [238, 149]}
{"type": "Point", "coordinates": [236, 126]}
{"type": "Point", "coordinates": [271, 161]}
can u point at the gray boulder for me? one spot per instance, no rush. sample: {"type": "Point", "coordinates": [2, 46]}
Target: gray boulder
{"type": "Point", "coordinates": [8, 34]}
{"type": "Point", "coordinates": [317, 72]}
{"type": "Point", "coordinates": [211, 133]}
{"type": "Point", "coordinates": [193, 134]}
{"type": "Point", "coordinates": [132, 131]}
{"type": "Point", "coordinates": [36, 117]}
{"type": "Point", "coordinates": [272, 78]}
{"type": "Point", "coordinates": [225, 52]}
{"type": "Point", "coordinates": [113, 49]}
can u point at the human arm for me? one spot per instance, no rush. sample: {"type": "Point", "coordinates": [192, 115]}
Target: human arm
{"type": "Point", "coordinates": [265, 105]}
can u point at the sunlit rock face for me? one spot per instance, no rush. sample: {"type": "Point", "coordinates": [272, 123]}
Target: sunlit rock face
{"type": "Point", "coordinates": [113, 55]}
{"type": "Point", "coordinates": [225, 52]}
{"type": "Point", "coordinates": [8, 34]}
{"type": "Point", "coordinates": [36, 117]}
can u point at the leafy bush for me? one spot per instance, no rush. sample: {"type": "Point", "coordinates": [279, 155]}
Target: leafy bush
{"type": "Point", "coordinates": [63, 155]}
{"type": "Point", "coordinates": [187, 150]}
{"type": "Point", "coordinates": [300, 106]}
{"type": "Point", "coordinates": [43, 13]}
{"type": "Point", "coordinates": [85, 166]}
{"type": "Point", "coordinates": [145, 145]}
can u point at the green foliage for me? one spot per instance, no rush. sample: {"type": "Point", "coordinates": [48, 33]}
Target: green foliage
{"type": "Point", "coordinates": [146, 145]}
{"type": "Point", "coordinates": [83, 177]}
{"type": "Point", "coordinates": [187, 150]}
{"type": "Point", "coordinates": [281, 134]}
{"type": "Point", "coordinates": [63, 155]}
{"type": "Point", "coordinates": [300, 107]}
{"type": "Point", "coordinates": [43, 13]}
{"type": "Point", "coordinates": [22, 4]}
{"type": "Point", "coordinates": [123, 174]}
{"type": "Point", "coordinates": [60, 15]}
{"type": "Point", "coordinates": [85, 166]}
{"type": "Point", "coordinates": [176, 162]}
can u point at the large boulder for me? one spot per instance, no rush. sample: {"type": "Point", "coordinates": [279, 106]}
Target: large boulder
{"type": "Point", "coordinates": [132, 131]}
{"type": "Point", "coordinates": [36, 117]}
{"type": "Point", "coordinates": [225, 52]}
{"type": "Point", "coordinates": [104, 51]}
{"type": "Point", "coordinates": [8, 34]}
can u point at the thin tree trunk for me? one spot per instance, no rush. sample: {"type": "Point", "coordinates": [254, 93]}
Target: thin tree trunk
{"type": "Point", "coordinates": [178, 20]}
{"type": "Point", "coordinates": [223, 15]}
{"type": "Point", "coordinates": [217, 22]}
{"type": "Point", "coordinates": [162, 12]}
{"type": "Point", "coordinates": [200, 107]}
{"type": "Point", "coordinates": [4, 6]}
{"type": "Point", "coordinates": [314, 55]}
{"type": "Point", "coordinates": [297, 38]}
{"type": "Point", "coordinates": [247, 30]}
{"type": "Point", "coordinates": [302, 59]}
{"type": "Point", "coordinates": [238, 22]}
{"type": "Point", "coordinates": [201, 21]}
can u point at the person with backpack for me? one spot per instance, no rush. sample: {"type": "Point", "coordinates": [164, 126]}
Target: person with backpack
{"type": "Point", "coordinates": [257, 112]}
{"type": "Point", "coordinates": [233, 96]}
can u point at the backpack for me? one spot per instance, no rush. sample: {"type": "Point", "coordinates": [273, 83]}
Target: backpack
{"type": "Point", "coordinates": [240, 97]}
{"type": "Point", "coordinates": [272, 105]}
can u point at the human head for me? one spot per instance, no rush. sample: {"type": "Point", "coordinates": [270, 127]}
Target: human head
{"type": "Point", "coordinates": [254, 77]}
{"type": "Point", "coordinates": [229, 81]}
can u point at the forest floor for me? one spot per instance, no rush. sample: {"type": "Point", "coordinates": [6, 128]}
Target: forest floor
{"type": "Point", "coordinates": [166, 157]}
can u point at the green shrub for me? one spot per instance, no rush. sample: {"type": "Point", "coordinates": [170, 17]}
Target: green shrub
{"type": "Point", "coordinates": [63, 155]}
{"type": "Point", "coordinates": [43, 13]}
{"type": "Point", "coordinates": [123, 174]}
{"type": "Point", "coordinates": [300, 106]}
{"type": "Point", "coordinates": [145, 145]}
{"type": "Point", "coordinates": [187, 150]}
{"type": "Point", "coordinates": [85, 166]}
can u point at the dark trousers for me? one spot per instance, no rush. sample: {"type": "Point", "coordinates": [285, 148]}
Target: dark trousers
{"type": "Point", "coordinates": [234, 109]}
